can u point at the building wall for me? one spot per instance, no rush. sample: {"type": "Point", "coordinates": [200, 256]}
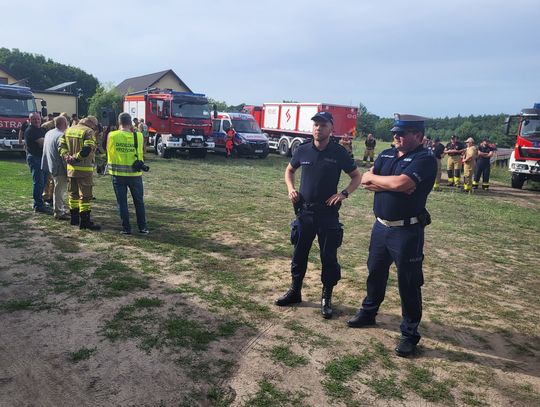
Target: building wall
{"type": "Point", "coordinates": [169, 81]}
{"type": "Point", "coordinates": [6, 78]}
{"type": "Point", "coordinates": [57, 103]}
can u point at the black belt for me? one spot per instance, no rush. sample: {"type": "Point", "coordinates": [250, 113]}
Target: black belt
{"type": "Point", "coordinates": [315, 206]}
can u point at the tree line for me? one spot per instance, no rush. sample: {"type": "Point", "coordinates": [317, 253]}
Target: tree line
{"type": "Point", "coordinates": [41, 73]}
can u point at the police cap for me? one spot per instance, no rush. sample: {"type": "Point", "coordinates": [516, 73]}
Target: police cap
{"type": "Point", "coordinates": [323, 117]}
{"type": "Point", "coordinates": [404, 122]}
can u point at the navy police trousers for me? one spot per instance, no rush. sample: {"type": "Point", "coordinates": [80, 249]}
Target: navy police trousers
{"type": "Point", "coordinates": [323, 223]}
{"type": "Point", "coordinates": [404, 246]}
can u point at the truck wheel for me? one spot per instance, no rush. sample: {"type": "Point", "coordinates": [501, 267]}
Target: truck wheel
{"type": "Point", "coordinates": [162, 151]}
{"type": "Point", "coordinates": [294, 146]}
{"type": "Point", "coordinates": [283, 148]}
{"type": "Point", "coordinates": [518, 180]}
{"type": "Point", "coordinates": [197, 153]}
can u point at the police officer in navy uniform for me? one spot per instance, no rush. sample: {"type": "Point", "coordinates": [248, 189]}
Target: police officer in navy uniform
{"type": "Point", "coordinates": [401, 178]}
{"type": "Point", "coordinates": [316, 206]}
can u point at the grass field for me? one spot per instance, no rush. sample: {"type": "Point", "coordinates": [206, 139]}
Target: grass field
{"type": "Point", "coordinates": [185, 315]}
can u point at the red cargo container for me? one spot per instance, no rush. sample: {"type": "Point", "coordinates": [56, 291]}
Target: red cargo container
{"type": "Point", "coordinates": [289, 124]}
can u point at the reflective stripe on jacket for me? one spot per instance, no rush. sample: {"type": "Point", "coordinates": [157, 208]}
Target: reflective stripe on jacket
{"type": "Point", "coordinates": [72, 142]}
{"type": "Point", "coordinates": [121, 153]}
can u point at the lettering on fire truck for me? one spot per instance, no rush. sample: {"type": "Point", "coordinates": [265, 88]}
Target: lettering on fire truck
{"type": "Point", "coordinates": [10, 124]}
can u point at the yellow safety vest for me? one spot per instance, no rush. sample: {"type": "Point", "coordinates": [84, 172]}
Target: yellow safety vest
{"type": "Point", "coordinates": [121, 153]}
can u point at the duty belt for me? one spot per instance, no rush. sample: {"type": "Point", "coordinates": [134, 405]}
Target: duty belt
{"type": "Point", "coordinates": [394, 223]}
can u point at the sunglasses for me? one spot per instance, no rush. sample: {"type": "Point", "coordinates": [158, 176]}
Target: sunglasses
{"type": "Point", "coordinates": [401, 133]}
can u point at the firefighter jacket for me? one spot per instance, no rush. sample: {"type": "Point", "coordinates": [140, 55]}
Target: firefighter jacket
{"type": "Point", "coordinates": [72, 142]}
{"type": "Point", "coordinates": [121, 153]}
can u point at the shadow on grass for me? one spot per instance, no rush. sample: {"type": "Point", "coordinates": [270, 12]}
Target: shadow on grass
{"type": "Point", "coordinates": [503, 349]}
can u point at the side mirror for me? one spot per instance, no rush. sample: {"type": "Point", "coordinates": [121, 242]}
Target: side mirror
{"type": "Point", "coordinates": [507, 126]}
{"type": "Point", "coordinates": [215, 111]}
{"type": "Point", "coordinates": [44, 111]}
{"type": "Point", "coordinates": [43, 103]}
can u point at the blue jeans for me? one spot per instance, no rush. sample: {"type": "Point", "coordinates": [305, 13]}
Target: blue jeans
{"type": "Point", "coordinates": [135, 185]}
{"type": "Point", "coordinates": [39, 178]}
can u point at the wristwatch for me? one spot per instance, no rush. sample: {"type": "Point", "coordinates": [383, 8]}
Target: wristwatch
{"type": "Point", "coordinates": [345, 193]}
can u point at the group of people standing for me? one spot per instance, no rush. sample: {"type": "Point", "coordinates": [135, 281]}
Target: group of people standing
{"type": "Point", "coordinates": [474, 160]}
{"type": "Point", "coordinates": [401, 178]}
{"type": "Point", "coordinates": [67, 152]}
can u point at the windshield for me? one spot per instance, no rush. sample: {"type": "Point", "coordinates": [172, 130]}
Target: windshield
{"type": "Point", "coordinates": [16, 107]}
{"type": "Point", "coordinates": [530, 127]}
{"type": "Point", "coordinates": [246, 126]}
{"type": "Point", "coordinates": [190, 110]}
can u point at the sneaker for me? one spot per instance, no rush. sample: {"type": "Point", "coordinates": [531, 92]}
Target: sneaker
{"type": "Point", "coordinates": [125, 232]}
{"type": "Point", "coordinates": [144, 231]}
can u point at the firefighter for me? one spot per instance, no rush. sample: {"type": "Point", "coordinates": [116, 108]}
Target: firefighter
{"type": "Point", "coordinates": [438, 151]}
{"type": "Point", "coordinates": [370, 149]}
{"type": "Point", "coordinates": [346, 143]}
{"type": "Point", "coordinates": [454, 149]}
{"type": "Point", "coordinates": [78, 146]}
{"type": "Point", "coordinates": [229, 143]}
{"type": "Point", "coordinates": [469, 161]}
{"type": "Point", "coordinates": [483, 164]}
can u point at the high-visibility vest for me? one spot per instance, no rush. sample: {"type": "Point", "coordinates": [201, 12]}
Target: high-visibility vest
{"type": "Point", "coordinates": [121, 153]}
{"type": "Point", "coordinates": [72, 142]}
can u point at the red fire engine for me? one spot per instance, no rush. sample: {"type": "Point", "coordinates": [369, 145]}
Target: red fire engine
{"type": "Point", "coordinates": [177, 121]}
{"type": "Point", "coordinates": [16, 104]}
{"type": "Point", "coordinates": [289, 124]}
{"type": "Point", "coordinates": [525, 159]}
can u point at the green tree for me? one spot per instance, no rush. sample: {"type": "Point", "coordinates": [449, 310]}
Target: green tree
{"type": "Point", "coordinates": [365, 122]}
{"type": "Point", "coordinates": [382, 129]}
{"type": "Point", "coordinates": [105, 97]}
{"type": "Point", "coordinates": [40, 73]}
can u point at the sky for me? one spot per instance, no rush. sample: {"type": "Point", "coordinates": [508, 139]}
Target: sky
{"type": "Point", "coordinates": [431, 58]}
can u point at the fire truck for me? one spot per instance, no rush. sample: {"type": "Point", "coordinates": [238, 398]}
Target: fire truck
{"type": "Point", "coordinates": [524, 163]}
{"type": "Point", "coordinates": [289, 124]}
{"type": "Point", "coordinates": [177, 121]}
{"type": "Point", "coordinates": [16, 104]}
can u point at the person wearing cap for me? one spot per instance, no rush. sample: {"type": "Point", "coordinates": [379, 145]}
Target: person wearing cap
{"type": "Point", "coordinates": [438, 151]}
{"type": "Point", "coordinates": [483, 164]}
{"type": "Point", "coordinates": [317, 208]}
{"type": "Point", "coordinates": [454, 149]}
{"type": "Point", "coordinates": [402, 179]}
{"type": "Point", "coordinates": [369, 152]}
{"type": "Point", "coordinates": [77, 147]}
{"type": "Point", "coordinates": [469, 162]}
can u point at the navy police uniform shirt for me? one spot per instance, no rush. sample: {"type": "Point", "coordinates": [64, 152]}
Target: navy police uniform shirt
{"type": "Point", "coordinates": [321, 170]}
{"type": "Point", "coordinates": [420, 165]}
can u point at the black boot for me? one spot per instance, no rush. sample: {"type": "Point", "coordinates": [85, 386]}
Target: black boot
{"type": "Point", "coordinates": [292, 296]}
{"type": "Point", "coordinates": [326, 302]}
{"type": "Point", "coordinates": [86, 223]}
{"type": "Point", "coordinates": [75, 219]}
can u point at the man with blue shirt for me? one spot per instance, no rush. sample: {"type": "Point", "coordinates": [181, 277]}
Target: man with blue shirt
{"type": "Point", "coordinates": [317, 208]}
{"type": "Point", "coordinates": [402, 178]}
